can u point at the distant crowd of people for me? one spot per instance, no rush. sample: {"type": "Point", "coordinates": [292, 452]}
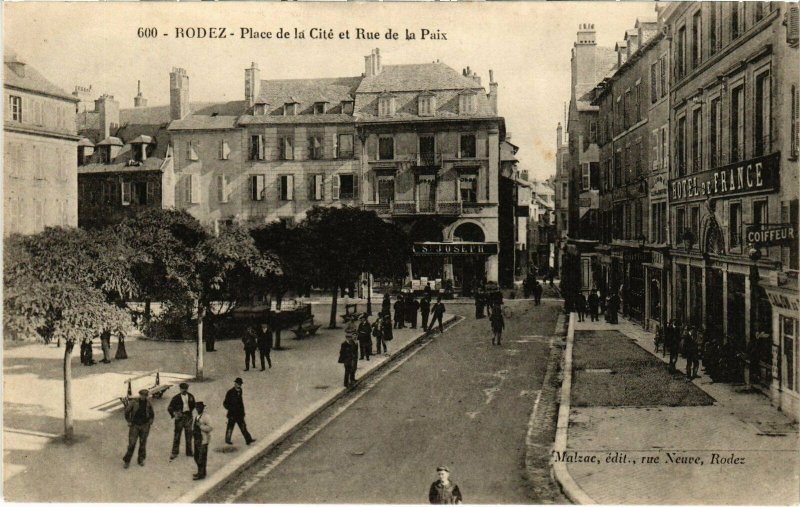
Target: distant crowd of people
{"type": "Point", "coordinates": [677, 340]}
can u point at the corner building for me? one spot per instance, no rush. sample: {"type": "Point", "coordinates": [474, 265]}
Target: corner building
{"type": "Point", "coordinates": [734, 177]}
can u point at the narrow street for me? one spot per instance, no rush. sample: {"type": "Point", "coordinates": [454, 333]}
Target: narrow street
{"type": "Point", "coordinates": [459, 401]}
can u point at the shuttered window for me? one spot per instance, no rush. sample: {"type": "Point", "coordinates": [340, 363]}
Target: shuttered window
{"type": "Point", "coordinates": [286, 187]}
{"type": "Point", "coordinates": [257, 187]}
{"type": "Point", "coordinates": [315, 187]}
{"type": "Point", "coordinates": [126, 193]}
{"type": "Point", "coordinates": [222, 188]}
{"type": "Point", "coordinates": [224, 150]}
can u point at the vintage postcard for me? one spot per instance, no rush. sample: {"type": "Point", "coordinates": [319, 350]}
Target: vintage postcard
{"type": "Point", "coordinates": [401, 253]}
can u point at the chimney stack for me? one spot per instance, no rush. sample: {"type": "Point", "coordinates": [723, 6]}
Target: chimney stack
{"type": "Point", "coordinates": [586, 35]}
{"type": "Point", "coordinates": [252, 84]}
{"type": "Point", "coordinates": [108, 111]}
{"type": "Point", "coordinates": [372, 63]}
{"type": "Point", "coordinates": [178, 93]}
{"type": "Point", "coordinates": [559, 135]}
{"type": "Point", "coordinates": [139, 100]}
{"type": "Point", "coordinates": [492, 92]}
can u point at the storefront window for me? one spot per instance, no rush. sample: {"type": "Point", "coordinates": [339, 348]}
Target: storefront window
{"type": "Point", "coordinates": [680, 294]}
{"type": "Point", "coordinates": [789, 337]}
{"type": "Point", "coordinates": [655, 299]}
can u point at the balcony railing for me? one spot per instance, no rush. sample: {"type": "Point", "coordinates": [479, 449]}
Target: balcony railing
{"type": "Point", "coordinates": [401, 208]}
{"type": "Point", "coordinates": [428, 159]}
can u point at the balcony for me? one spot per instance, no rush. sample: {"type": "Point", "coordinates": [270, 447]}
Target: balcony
{"type": "Point", "coordinates": [410, 208]}
{"type": "Point", "coordinates": [428, 159]}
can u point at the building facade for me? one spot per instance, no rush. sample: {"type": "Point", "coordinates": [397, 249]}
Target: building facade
{"type": "Point", "coordinates": [734, 178]}
{"type": "Point", "coordinates": [417, 144]}
{"type": "Point", "coordinates": [40, 142]}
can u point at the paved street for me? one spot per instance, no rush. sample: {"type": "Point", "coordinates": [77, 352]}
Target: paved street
{"type": "Point", "coordinates": [459, 401]}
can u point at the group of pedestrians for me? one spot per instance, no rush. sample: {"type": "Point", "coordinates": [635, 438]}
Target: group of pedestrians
{"type": "Point", "coordinates": [190, 421]}
{"type": "Point", "coordinates": [676, 340]}
{"type": "Point", "coordinates": [588, 305]}
{"type": "Point", "coordinates": [532, 287]}
{"type": "Point", "coordinates": [87, 352]}
{"type": "Point", "coordinates": [257, 337]}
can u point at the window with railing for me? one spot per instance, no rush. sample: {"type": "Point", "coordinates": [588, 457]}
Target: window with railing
{"type": "Point", "coordinates": [467, 146]}
{"type": "Point", "coordinates": [680, 147]}
{"type": "Point", "coordinates": [735, 224]}
{"type": "Point", "coordinates": [468, 188]}
{"type": "Point", "coordinates": [386, 148]}
{"type": "Point", "coordinates": [763, 118]}
{"type": "Point", "coordinates": [315, 148]}
{"type": "Point", "coordinates": [737, 123]}
{"type": "Point", "coordinates": [697, 140]}
{"type": "Point", "coordinates": [427, 151]}
{"type": "Point", "coordinates": [714, 125]}
{"type": "Point", "coordinates": [344, 146]}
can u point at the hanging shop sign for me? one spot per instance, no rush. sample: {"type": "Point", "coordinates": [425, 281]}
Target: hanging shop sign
{"type": "Point", "coordinates": [459, 248]}
{"type": "Point", "coordinates": [770, 234]}
{"type": "Point", "coordinates": [752, 176]}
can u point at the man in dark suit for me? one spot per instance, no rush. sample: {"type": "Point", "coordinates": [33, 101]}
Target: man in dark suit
{"type": "Point", "coordinates": [425, 310]}
{"type": "Point", "coordinates": [234, 404]}
{"type": "Point", "coordinates": [594, 304]}
{"type": "Point", "coordinates": [264, 342]}
{"type": "Point", "coordinates": [250, 345]}
{"type": "Point", "coordinates": [139, 414]}
{"type": "Point", "coordinates": [399, 312]}
{"type": "Point", "coordinates": [438, 314]}
{"type": "Point", "coordinates": [180, 410]}
{"type": "Point", "coordinates": [412, 309]}
{"type": "Point", "coordinates": [348, 356]}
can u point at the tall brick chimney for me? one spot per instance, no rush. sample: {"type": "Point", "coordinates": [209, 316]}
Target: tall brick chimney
{"type": "Point", "coordinates": [252, 84]}
{"type": "Point", "coordinates": [492, 92]}
{"type": "Point", "coordinates": [108, 110]}
{"type": "Point", "coordinates": [139, 100]}
{"type": "Point", "coordinates": [372, 63]}
{"type": "Point", "coordinates": [178, 93]}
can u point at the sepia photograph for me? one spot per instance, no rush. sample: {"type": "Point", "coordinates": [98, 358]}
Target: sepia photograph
{"type": "Point", "coordinates": [401, 253]}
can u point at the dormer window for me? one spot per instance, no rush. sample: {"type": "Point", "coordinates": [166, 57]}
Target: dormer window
{"type": "Point", "coordinates": [426, 104]}
{"type": "Point", "coordinates": [320, 107]}
{"type": "Point", "coordinates": [347, 107]}
{"type": "Point", "coordinates": [466, 103]}
{"type": "Point", "coordinates": [386, 105]}
{"type": "Point", "coordinates": [290, 109]}
{"type": "Point", "coordinates": [139, 152]}
{"type": "Point", "coordinates": [260, 109]}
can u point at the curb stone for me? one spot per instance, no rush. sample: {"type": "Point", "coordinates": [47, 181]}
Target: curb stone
{"type": "Point", "coordinates": [571, 488]}
{"type": "Point", "coordinates": [221, 476]}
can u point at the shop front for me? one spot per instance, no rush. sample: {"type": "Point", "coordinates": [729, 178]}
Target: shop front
{"type": "Point", "coordinates": [785, 385]}
{"type": "Point", "coordinates": [656, 291]}
{"type": "Point", "coordinates": [458, 266]}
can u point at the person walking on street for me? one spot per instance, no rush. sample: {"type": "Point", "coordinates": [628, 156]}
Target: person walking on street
{"type": "Point", "coordinates": [580, 306]}
{"type": "Point", "coordinates": [480, 304]}
{"type": "Point", "coordinates": [613, 308]}
{"type": "Point", "coordinates": [386, 304]}
{"type": "Point", "coordinates": [86, 352]}
{"type": "Point", "coordinates": [387, 334]}
{"type": "Point", "coordinates": [674, 344]}
{"type": "Point", "coordinates": [399, 312]}
{"type": "Point", "coordinates": [202, 436]}
{"type": "Point", "coordinates": [443, 491]}
{"type": "Point", "coordinates": [234, 404]}
{"type": "Point", "coordinates": [691, 351]}
{"type": "Point", "coordinates": [105, 345]}
{"type": "Point", "coordinates": [537, 292]}
{"type": "Point", "coordinates": [364, 333]}
{"type": "Point", "coordinates": [250, 345]}
{"type": "Point", "coordinates": [348, 357]}
{"type": "Point", "coordinates": [438, 314]}
{"type": "Point", "coordinates": [264, 343]}
{"type": "Point", "coordinates": [498, 323]}
{"type": "Point", "coordinates": [181, 409]}
{"type": "Point", "coordinates": [425, 310]}
{"type": "Point", "coordinates": [377, 332]}
{"type": "Point", "coordinates": [121, 352]}
{"type": "Point", "coordinates": [412, 308]}
{"type": "Point", "coordinates": [139, 414]}
{"type": "Point", "coordinates": [593, 303]}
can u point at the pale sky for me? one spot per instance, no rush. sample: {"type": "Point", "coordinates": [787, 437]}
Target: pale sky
{"type": "Point", "coordinates": [526, 44]}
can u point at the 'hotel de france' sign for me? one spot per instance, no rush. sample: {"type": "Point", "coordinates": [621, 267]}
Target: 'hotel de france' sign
{"type": "Point", "coordinates": [755, 175]}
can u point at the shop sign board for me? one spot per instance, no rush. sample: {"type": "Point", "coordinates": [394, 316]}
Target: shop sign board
{"type": "Point", "coordinates": [770, 234]}
{"type": "Point", "coordinates": [782, 301]}
{"type": "Point", "coordinates": [455, 248]}
{"type": "Point", "coordinates": [757, 175]}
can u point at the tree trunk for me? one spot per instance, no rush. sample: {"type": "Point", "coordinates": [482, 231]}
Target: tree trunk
{"type": "Point", "coordinates": [201, 312]}
{"type": "Point", "coordinates": [332, 323]}
{"type": "Point", "coordinates": [147, 310]}
{"type": "Point", "coordinates": [69, 430]}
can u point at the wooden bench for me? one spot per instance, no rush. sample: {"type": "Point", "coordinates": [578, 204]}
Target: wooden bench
{"type": "Point", "coordinates": [156, 389]}
{"type": "Point", "coordinates": [306, 329]}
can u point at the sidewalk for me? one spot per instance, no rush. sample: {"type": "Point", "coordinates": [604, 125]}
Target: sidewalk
{"type": "Point", "coordinates": [659, 439]}
{"type": "Point", "coordinates": [305, 377]}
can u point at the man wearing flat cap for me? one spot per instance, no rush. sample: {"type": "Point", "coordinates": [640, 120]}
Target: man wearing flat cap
{"type": "Point", "coordinates": [202, 435]}
{"type": "Point", "coordinates": [139, 414]}
{"type": "Point", "coordinates": [234, 403]}
{"type": "Point", "coordinates": [442, 490]}
{"type": "Point", "coordinates": [180, 410]}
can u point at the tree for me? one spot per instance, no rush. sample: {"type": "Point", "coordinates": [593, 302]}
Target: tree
{"type": "Point", "coordinates": [293, 247]}
{"type": "Point", "coordinates": [65, 284]}
{"type": "Point", "coordinates": [347, 242]}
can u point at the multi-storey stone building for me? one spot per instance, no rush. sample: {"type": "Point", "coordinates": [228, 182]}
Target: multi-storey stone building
{"type": "Point", "coordinates": [733, 185]}
{"type": "Point", "coordinates": [561, 183]}
{"type": "Point", "coordinates": [40, 142]}
{"type": "Point", "coordinates": [633, 116]}
{"type": "Point", "coordinates": [418, 144]}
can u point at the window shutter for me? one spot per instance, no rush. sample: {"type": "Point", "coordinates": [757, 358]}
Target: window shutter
{"type": "Point", "coordinates": [261, 147]}
{"type": "Point", "coordinates": [281, 195]}
{"type": "Point", "coordinates": [126, 193]}
{"type": "Point", "coordinates": [261, 187]}
{"type": "Point", "coordinates": [336, 146]}
{"type": "Point", "coordinates": [355, 187]}
{"type": "Point", "coordinates": [222, 188]}
{"type": "Point", "coordinates": [151, 192]}
{"type": "Point", "coordinates": [252, 189]}
{"type": "Point", "coordinates": [289, 187]}
{"type": "Point", "coordinates": [792, 22]}
{"type": "Point", "coordinates": [289, 148]}
{"type": "Point", "coordinates": [335, 187]}
{"type": "Point", "coordinates": [195, 179]}
{"type": "Point", "coordinates": [311, 187]}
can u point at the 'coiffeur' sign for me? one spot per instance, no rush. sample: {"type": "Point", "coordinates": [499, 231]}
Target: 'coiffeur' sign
{"type": "Point", "coordinates": [459, 248]}
{"type": "Point", "coordinates": [770, 234]}
{"type": "Point", "coordinates": [756, 175]}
